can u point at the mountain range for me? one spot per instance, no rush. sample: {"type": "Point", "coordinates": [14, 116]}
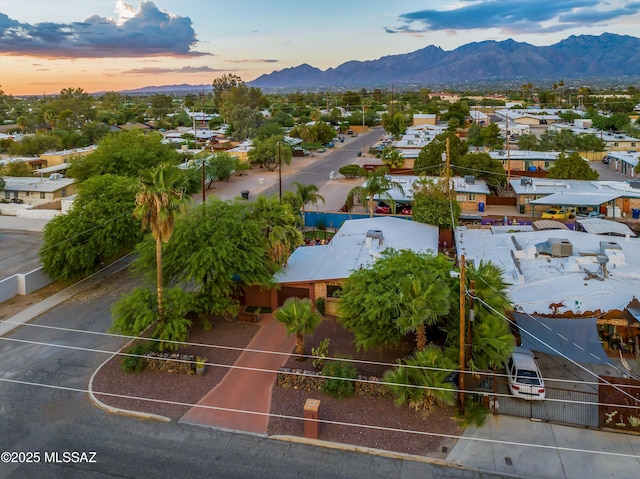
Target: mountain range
{"type": "Point", "coordinates": [583, 57]}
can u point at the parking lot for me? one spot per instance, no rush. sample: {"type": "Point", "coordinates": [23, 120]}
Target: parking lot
{"type": "Point", "coordinates": [18, 252]}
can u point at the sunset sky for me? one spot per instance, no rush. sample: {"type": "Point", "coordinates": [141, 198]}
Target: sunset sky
{"type": "Point", "coordinates": [113, 45]}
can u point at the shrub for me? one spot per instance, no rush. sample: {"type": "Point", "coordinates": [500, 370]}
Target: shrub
{"type": "Point", "coordinates": [351, 171]}
{"type": "Point", "coordinates": [320, 305]}
{"type": "Point", "coordinates": [321, 351]}
{"type": "Point", "coordinates": [135, 364]}
{"type": "Point", "coordinates": [339, 388]}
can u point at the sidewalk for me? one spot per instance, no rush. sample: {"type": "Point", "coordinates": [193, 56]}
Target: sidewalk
{"type": "Point", "coordinates": [548, 451]}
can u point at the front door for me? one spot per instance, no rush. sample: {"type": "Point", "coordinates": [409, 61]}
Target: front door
{"type": "Point", "coordinates": [625, 206]}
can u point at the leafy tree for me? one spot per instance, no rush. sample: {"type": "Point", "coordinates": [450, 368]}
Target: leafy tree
{"type": "Point", "coordinates": [430, 159]}
{"type": "Point", "coordinates": [421, 380]}
{"type": "Point", "coordinates": [101, 225]}
{"type": "Point", "coordinates": [17, 168]}
{"type": "Point", "coordinates": [528, 142]}
{"type": "Point", "coordinates": [299, 317]}
{"type": "Point", "coordinates": [244, 122]}
{"type": "Point", "coordinates": [278, 223]}
{"type": "Point", "coordinates": [222, 84]}
{"type": "Point", "coordinates": [161, 196]}
{"type": "Point", "coordinates": [217, 250]}
{"type": "Point", "coordinates": [36, 144]}
{"type": "Point", "coordinates": [270, 152]}
{"type": "Point", "coordinates": [127, 153]}
{"type": "Point", "coordinates": [482, 166]}
{"type": "Point", "coordinates": [376, 185]}
{"type": "Point", "coordinates": [394, 124]}
{"type": "Point", "coordinates": [135, 313]}
{"type": "Point", "coordinates": [220, 166]}
{"type": "Point", "coordinates": [572, 167]}
{"type": "Point", "coordinates": [2, 183]}
{"type": "Point", "coordinates": [370, 299]}
{"type": "Point", "coordinates": [392, 158]}
{"type": "Point", "coordinates": [307, 194]}
{"type": "Point", "coordinates": [432, 205]}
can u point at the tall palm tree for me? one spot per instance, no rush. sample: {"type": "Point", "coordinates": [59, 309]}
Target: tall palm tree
{"type": "Point", "coordinates": [421, 305]}
{"type": "Point", "coordinates": [308, 194]}
{"type": "Point", "coordinates": [299, 317]}
{"type": "Point", "coordinates": [161, 196]}
{"type": "Point", "coordinates": [376, 185]}
{"type": "Point", "coordinates": [279, 227]}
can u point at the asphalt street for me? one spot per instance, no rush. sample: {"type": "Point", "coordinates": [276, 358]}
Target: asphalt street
{"type": "Point", "coordinates": [50, 429]}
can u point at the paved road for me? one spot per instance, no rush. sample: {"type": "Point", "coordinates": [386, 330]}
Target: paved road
{"type": "Point", "coordinates": [317, 173]}
{"type": "Point", "coordinates": [60, 418]}
{"type": "Point", "coordinates": [606, 173]}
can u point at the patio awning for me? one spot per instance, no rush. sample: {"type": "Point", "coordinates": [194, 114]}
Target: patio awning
{"type": "Point", "coordinates": [576, 199]}
{"type": "Point", "coordinates": [598, 226]}
{"type": "Point", "coordinates": [576, 339]}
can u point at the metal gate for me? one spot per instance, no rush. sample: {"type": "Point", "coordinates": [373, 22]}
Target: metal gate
{"type": "Point", "coordinates": [569, 407]}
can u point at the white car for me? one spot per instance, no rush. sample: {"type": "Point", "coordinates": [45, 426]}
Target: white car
{"type": "Point", "coordinates": [523, 375]}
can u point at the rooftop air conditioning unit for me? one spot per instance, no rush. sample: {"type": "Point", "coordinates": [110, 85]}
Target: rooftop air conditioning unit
{"type": "Point", "coordinates": [560, 247]}
{"type": "Point", "coordinates": [526, 181]}
{"type": "Point", "coordinates": [55, 176]}
{"type": "Point", "coordinates": [470, 179]}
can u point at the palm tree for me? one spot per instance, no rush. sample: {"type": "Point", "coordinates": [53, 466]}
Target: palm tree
{"type": "Point", "coordinates": [308, 194]}
{"type": "Point", "coordinates": [421, 381]}
{"type": "Point", "coordinates": [161, 195]}
{"type": "Point", "coordinates": [299, 318]}
{"type": "Point", "coordinates": [376, 185]}
{"type": "Point", "coordinates": [492, 341]}
{"type": "Point", "coordinates": [279, 227]}
{"type": "Point", "coordinates": [421, 305]}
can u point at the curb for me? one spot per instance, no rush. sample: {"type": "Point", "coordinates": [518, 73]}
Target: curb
{"type": "Point", "coordinates": [116, 410]}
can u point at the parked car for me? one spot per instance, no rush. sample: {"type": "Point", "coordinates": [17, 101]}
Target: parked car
{"type": "Point", "coordinates": [605, 160]}
{"type": "Point", "coordinates": [559, 213]}
{"type": "Point", "coordinates": [383, 208]}
{"type": "Point", "coordinates": [524, 376]}
{"type": "Point", "coordinates": [591, 214]}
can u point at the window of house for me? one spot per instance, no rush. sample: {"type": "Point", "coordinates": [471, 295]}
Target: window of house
{"type": "Point", "coordinates": [333, 290]}
{"type": "Point", "coordinates": [615, 144]}
{"type": "Point", "coordinates": [63, 192]}
{"type": "Point", "coordinates": [633, 143]}
{"type": "Point", "coordinates": [547, 164]}
{"type": "Point", "coordinates": [42, 196]}
{"type": "Point", "coordinates": [7, 194]}
{"type": "Point", "coordinates": [472, 197]}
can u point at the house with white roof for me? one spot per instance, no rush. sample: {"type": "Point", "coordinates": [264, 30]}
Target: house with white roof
{"type": "Point", "coordinates": [623, 162]}
{"type": "Point", "coordinates": [613, 141]}
{"type": "Point", "coordinates": [525, 160]}
{"type": "Point", "coordinates": [616, 199]}
{"type": "Point", "coordinates": [319, 271]}
{"type": "Point", "coordinates": [35, 191]}
{"type": "Point", "coordinates": [563, 273]}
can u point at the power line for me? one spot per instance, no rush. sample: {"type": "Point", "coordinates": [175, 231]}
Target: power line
{"type": "Point", "coordinates": [324, 421]}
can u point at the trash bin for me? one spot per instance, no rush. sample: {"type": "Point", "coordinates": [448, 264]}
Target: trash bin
{"type": "Point", "coordinates": [245, 194]}
{"type": "Point", "coordinates": [635, 213]}
{"type": "Point", "coordinates": [481, 207]}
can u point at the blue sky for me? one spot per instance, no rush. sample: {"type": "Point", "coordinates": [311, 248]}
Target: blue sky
{"type": "Point", "coordinates": [47, 45]}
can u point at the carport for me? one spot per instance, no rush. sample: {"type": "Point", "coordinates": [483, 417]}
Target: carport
{"type": "Point", "coordinates": [575, 338]}
{"type": "Point", "coordinates": [594, 200]}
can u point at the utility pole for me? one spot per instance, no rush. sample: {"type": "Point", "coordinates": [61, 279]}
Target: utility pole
{"type": "Point", "coordinates": [448, 168]}
{"type": "Point", "coordinates": [204, 195]}
{"type": "Point", "coordinates": [508, 153]}
{"type": "Point", "coordinates": [472, 315]}
{"type": "Point", "coordinates": [462, 335]}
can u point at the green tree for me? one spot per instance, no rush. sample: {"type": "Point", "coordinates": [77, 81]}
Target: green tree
{"type": "Point", "coordinates": [299, 317]}
{"type": "Point", "coordinates": [528, 142]}
{"type": "Point", "coordinates": [308, 194]}
{"type": "Point", "coordinates": [217, 250]}
{"type": "Point", "coordinates": [482, 166]}
{"type": "Point", "coordinates": [220, 166]}
{"type": "Point", "coordinates": [278, 223]}
{"type": "Point", "coordinates": [270, 152]}
{"type": "Point", "coordinates": [421, 380]}
{"type": "Point", "coordinates": [392, 158]}
{"type": "Point", "coordinates": [369, 300]}
{"type": "Point", "coordinates": [161, 196]}
{"type": "Point", "coordinates": [394, 124]}
{"type": "Point", "coordinates": [433, 206]}
{"type": "Point", "coordinates": [136, 312]}
{"type": "Point", "coordinates": [376, 186]}
{"type": "Point", "coordinates": [572, 167]}
{"type": "Point", "coordinates": [222, 84]}
{"type": "Point", "coordinates": [430, 159]}
{"type": "Point", "coordinates": [422, 303]}
{"type": "Point", "coordinates": [98, 229]}
{"type": "Point", "coordinates": [127, 153]}
{"type": "Point", "coordinates": [17, 168]}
